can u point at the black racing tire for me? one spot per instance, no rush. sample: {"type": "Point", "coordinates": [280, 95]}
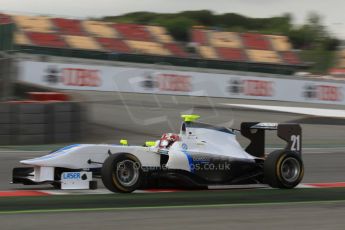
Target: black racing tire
{"type": "Point", "coordinates": [283, 169]}
{"type": "Point", "coordinates": [120, 167]}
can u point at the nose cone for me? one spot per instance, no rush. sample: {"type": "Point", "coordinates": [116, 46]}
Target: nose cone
{"type": "Point", "coordinates": [35, 161]}
{"type": "Point", "coordinates": [51, 159]}
{"type": "Point", "coordinates": [26, 162]}
{"type": "Point", "coordinates": [31, 161]}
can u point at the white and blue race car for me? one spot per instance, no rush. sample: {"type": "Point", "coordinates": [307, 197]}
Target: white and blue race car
{"type": "Point", "coordinates": [201, 155]}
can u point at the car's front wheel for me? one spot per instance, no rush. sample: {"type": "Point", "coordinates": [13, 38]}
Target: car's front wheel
{"type": "Point", "coordinates": [283, 169]}
{"type": "Point", "coordinates": [121, 172]}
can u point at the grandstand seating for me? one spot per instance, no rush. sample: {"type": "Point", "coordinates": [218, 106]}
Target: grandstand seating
{"type": "Point", "coordinates": [225, 39]}
{"type": "Point", "coordinates": [133, 32]}
{"type": "Point", "coordinates": [341, 63]}
{"type": "Point", "coordinates": [146, 47]}
{"type": "Point", "coordinates": [21, 39]}
{"type": "Point", "coordinates": [68, 26]}
{"type": "Point", "coordinates": [207, 52]}
{"type": "Point", "coordinates": [251, 47]}
{"type": "Point", "coordinates": [175, 49]}
{"type": "Point", "coordinates": [4, 19]}
{"type": "Point", "coordinates": [279, 43]}
{"type": "Point", "coordinates": [151, 40]}
{"type": "Point", "coordinates": [340, 59]}
{"type": "Point", "coordinates": [231, 54]}
{"type": "Point", "coordinates": [46, 39]}
{"type": "Point", "coordinates": [33, 23]}
{"type": "Point", "coordinates": [255, 41]}
{"type": "Point", "coordinates": [82, 42]}
{"type": "Point", "coordinates": [290, 57]}
{"type": "Point", "coordinates": [199, 37]}
{"type": "Point", "coordinates": [114, 45]}
{"type": "Point", "coordinates": [99, 29]}
{"type": "Point", "coordinates": [160, 34]}
{"type": "Point", "coordinates": [266, 56]}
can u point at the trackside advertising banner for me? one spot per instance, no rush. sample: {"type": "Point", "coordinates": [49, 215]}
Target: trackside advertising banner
{"type": "Point", "coordinates": [137, 80]}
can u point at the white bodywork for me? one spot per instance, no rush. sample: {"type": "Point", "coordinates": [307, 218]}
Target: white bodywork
{"type": "Point", "coordinates": [76, 180]}
{"type": "Point", "coordinates": [193, 141]}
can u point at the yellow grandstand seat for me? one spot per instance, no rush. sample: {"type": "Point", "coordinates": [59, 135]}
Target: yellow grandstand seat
{"type": "Point", "coordinates": [266, 56]}
{"type": "Point", "coordinates": [341, 63]}
{"type": "Point", "coordinates": [99, 29]}
{"type": "Point", "coordinates": [160, 34]}
{"type": "Point", "coordinates": [207, 52]}
{"type": "Point", "coordinates": [341, 59]}
{"type": "Point", "coordinates": [33, 23]}
{"type": "Point", "coordinates": [225, 39]}
{"type": "Point", "coordinates": [280, 43]}
{"type": "Point", "coordinates": [147, 47]}
{"type": "Point", "coordinates": [21, 39]}
{"type": "Point", "coordinates": [341, 54]}
{"type": "Point", "coordinates": [82, 42]}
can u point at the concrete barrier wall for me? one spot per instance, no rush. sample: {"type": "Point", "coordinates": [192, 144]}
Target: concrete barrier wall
{"type": "Point", "coordinates": [79, 77]}
{"type": "Point", "coordinates": [40, 123]}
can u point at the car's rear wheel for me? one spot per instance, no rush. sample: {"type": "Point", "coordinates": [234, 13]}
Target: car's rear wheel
{"type": "Point", "coordinates": [122, 173]}
{"type": "Point", "coordinates": [283, 169]}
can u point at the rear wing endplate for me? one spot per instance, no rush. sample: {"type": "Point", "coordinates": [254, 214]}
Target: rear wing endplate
{"type": "Point", "coordinates": [255, 132]}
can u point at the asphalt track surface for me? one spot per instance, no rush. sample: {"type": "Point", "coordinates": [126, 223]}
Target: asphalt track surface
{"type": "Point", "coordinates": [269, 217]}
{"type": "Point", "coordinates": [313, 214]}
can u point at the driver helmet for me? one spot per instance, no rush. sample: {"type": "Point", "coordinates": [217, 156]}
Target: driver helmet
{"type": "Point", "coordinates": [168, 139]}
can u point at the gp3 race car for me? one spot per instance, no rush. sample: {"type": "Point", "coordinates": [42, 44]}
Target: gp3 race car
{"type": "Point", "coordinates": [201, 155]}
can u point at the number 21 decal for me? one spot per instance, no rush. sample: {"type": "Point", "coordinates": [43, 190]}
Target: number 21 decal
{"type": "Point", "coordinates": [296, 142]}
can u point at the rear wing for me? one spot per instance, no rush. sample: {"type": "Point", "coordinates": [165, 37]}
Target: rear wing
{"type": "Point", "coordinates": [255, 132]}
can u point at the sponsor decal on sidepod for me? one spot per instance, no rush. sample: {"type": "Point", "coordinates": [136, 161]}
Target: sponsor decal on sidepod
{"type": "Point", "coordinates": [74, 176]}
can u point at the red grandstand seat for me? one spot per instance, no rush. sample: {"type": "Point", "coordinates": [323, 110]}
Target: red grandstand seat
{"type": "Point", "coordinates": [255, 41]}
{"type": "Point", "coordinates": [68, 26]}
{"type": "Point", "coordinates": [5, 19]}
{"type": "Point", "coordinates": [133, 32]}
{"type": "Point", "coordinates": [231, 54]}
{"type": "Point", "coordinates": [199, 36]}
{"type": "Point", "coordinates": [113, 44]}
{"type": "Point", "coordinates": [46, 39]}
{"type": "Point", "coordinates": [175, 50]}
{"type": "Point", "coordinates": [290, 57]}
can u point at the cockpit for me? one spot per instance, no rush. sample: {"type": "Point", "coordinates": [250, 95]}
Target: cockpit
{"type": "Point", "coordinates": [167, 140]}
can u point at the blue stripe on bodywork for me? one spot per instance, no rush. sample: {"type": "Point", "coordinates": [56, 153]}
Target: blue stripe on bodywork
{"type": "Point", "coordinates": [66, 147]}
{"type": "Point", "coordinates": [190, 160]}
{"type": "Point", "coordinates": [57, 152]}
